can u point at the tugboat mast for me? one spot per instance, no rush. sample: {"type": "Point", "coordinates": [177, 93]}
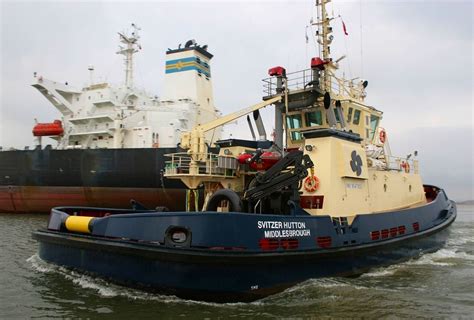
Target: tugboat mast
{"type": "Point", "coordinates": [132, 46]}
{"type": "Point", "coordinates": [324, 39]}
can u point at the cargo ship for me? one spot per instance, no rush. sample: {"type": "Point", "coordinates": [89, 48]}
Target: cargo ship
{"type": "Point", "coordinates": [111, 140]}
{"type": "Point", "coordinates": [325, 198]}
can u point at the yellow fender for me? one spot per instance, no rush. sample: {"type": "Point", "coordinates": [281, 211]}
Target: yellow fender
{"type": "Point", "coordinates": [78, 224]}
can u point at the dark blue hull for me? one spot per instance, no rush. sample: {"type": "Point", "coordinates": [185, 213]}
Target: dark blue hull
{"type": "Point", "coordinates": [243, 257]}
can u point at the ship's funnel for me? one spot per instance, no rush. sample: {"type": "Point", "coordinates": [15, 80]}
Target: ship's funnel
{"type": "Point", "coordinates": [251, 128]}
{"type": "Point", "coordinates": [259, 123]}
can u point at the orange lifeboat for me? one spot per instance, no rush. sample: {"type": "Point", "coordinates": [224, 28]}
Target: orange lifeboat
{"type": "Point", "coordinates": [48, 129]}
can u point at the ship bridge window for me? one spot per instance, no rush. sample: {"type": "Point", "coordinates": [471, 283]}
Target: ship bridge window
{"type": "Point", "coordinates": [294, 124]}
{"type": "Point", "coordinates": [198, 60]}
{"type": "Point", "coordinates": [336, 113]}
{"type": "Point", "coordinates": [349, 115]}
{"type": "Point", "coordinates": [356, 117]}
{"type": "Point", "coordinates": [313, 118]}
{"type": "Point", "coordinates": [374, 122]}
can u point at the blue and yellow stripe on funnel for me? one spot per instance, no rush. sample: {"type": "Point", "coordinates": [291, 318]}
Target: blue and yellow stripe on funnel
{"type": "Point", "coordinates": [186, 64]}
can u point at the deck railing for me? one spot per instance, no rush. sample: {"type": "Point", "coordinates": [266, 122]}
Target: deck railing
{"type": "Point", "coordinates": [403, 164]}
{"type": "Point", "coordinates": [296, 80]}
{"type": "Point", "coordinates": [180, 164]}
{"type": "Point", "coordinates": [299, 80]}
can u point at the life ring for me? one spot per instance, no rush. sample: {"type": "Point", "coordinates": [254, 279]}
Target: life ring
{"type": "Point", "coordinates": [405, 166]}
{"type": "Point", "coordinates": [382, 136]}
{"type": "Point", "coordinates": [311, 183]}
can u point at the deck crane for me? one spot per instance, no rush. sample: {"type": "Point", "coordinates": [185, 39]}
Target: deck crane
{"type": "Point", "coordinates": [194, 140]}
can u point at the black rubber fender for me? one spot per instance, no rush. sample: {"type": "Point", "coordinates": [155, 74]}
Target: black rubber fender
{"type": "Point", "coordinates": [225, 194]}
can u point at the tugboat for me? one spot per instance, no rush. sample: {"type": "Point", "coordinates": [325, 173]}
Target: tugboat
{"type": "Point", "coordinates": [325, 198]}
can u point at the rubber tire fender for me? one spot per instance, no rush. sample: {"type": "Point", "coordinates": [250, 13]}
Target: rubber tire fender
{"type": "Point", "coordinates": [225, 194]}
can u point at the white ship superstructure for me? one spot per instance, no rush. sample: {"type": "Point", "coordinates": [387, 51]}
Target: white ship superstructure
{"type": "Point", "coordinates": [101, 115]}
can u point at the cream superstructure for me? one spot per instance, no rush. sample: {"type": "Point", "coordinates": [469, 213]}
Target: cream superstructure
{"type": "Point", "coordinates": [101, 115]}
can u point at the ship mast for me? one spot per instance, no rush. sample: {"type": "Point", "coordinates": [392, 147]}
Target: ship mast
{"type": "Point", "coordinates": [324, 39]}
{"type": "Point", "coordinates": [131, 47]}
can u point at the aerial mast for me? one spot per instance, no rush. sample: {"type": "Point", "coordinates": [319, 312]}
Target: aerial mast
{"type": "Point", "coordinates": [131, 47]}
{"type": "Point", "coordinates": [324, 39]}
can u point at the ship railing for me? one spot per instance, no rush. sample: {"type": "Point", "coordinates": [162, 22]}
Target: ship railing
{"type": "Point", "coordinates": [299, 80]}
{"type": "Point", "coordinates": [296, 80]}
{"type": "Point", "coordinates": [403, 164]}
{"type": "Point", "coordinates": [344, 87]}
{"type": "Point", "coordinates": [180, 164]}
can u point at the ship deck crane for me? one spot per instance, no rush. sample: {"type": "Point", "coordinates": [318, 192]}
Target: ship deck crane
{"type": "Point", "coordinates": [194, 140]}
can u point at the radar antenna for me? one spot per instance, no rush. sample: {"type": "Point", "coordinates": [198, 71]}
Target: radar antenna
{"type": "Point", "coordinates": [131, 47]}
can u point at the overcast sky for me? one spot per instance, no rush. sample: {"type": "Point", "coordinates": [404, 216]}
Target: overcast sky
{"type": "Point", "coordinates": [416, 55]}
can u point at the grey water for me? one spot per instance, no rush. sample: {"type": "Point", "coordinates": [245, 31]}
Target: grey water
{"type": "Point", "coordinates": [436, 285]}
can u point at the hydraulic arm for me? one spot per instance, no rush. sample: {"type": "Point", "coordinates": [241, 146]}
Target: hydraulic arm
{"type": "Point", "coordinates": [283, 177]}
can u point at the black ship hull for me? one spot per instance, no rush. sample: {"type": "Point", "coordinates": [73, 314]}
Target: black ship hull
{"type": "Point", "coordinates": [238, 256]}
{"type": "Point", "coordinates": [34, 181]}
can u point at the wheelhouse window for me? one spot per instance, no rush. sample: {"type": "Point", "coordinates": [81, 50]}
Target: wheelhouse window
{"type": "Point", "coordinates": [374, 122]}
{"type": "Point", "coordinates": [294, 124]}
{"type": "Point", "coordinates": [349, 115]}
{"type": "Point", "coordinates": [313, 118]}
{"type": "Point", "coordinates": [336, 113]}
{"type": "Point", "coordinates": [356, 117]}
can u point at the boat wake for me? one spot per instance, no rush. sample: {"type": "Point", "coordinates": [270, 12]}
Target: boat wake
{"type": "Point", "coordinates": [382, 272]}
{"type": "Point", "coordinates": [107, 289]}
{"type": "Point", "coordinates": [443, 257]}
{"type": "Point", "coordinates": [461, 238]}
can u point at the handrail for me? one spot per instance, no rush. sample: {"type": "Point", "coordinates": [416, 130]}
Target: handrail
{"type": "Point", "coordinates": [181, 162]}
{"type": "Point", "coordinates": [399, 164]}
{"type": "Point", "coordinates": [300, 80]}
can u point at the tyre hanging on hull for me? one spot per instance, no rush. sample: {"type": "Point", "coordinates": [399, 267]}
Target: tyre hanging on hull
{"type": "Point", "coordinates": [235, 203]}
